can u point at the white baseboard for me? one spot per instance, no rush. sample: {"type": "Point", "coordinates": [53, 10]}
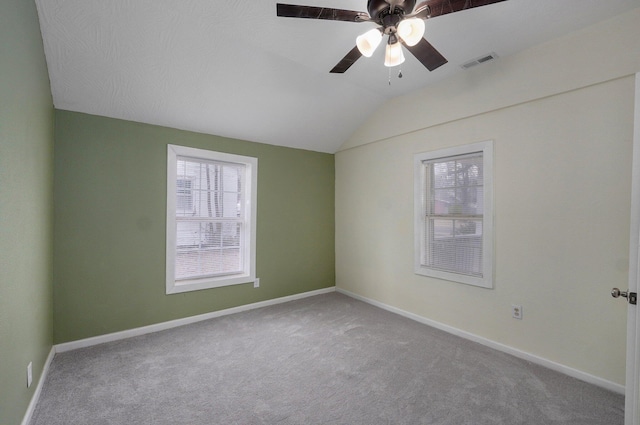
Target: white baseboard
{"type": "Point", "coordinates": [36, 394]}
{"type": "Point", "coordinates": [578, 374]}
{"type": "Point", "coordinates": [88, 342]}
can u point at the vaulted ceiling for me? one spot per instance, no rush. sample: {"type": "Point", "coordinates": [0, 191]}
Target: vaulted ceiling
{"type": "Point", "coordinates": [233, 68]}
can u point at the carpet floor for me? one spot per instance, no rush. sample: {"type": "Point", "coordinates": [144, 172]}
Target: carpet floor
{"type": "Point", "coordinates": [327, 359]}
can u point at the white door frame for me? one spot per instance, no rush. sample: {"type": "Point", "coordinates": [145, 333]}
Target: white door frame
{"type": "Point", "coordinates": [632, 391]}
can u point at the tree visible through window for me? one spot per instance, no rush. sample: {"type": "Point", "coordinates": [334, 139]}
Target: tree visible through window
{"type": "Point", "coordinates": [208, 233]}
{"type": "Point", "coordinates": [453, 201]}
{"type": "Point", "coordinates": [212, 219]}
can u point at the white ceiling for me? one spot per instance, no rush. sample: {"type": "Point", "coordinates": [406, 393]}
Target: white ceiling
{"type": "Point", "coordinates": [232, 68]}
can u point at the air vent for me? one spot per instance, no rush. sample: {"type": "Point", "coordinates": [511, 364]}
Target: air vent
{"type": "Point", "coordinates": [477, 61]}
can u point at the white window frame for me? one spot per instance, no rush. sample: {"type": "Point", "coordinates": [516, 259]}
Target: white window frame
{"type": "Point", "coordinates": [420, 203]}
{"type": "Point", "coordinates": [248, 243]}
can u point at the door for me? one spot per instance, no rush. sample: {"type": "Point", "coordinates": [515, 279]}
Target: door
{"type": "Point", "coordinates": [632, 394]}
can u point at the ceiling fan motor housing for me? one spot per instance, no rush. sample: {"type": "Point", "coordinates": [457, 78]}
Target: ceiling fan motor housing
{"type": "Point", "coordinates": [378, 9]}
{"type": "Point", "coordinates": [390, 23]}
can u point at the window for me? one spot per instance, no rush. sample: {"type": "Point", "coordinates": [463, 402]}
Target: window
{"type": "Point", "coordinates": [211, 219]}
{"type": "Point", "coordinates": [454, 214]}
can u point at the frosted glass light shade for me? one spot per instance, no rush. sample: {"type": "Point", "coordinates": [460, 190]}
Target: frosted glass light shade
{"type": "Point", "coordinates": [368, 42]}
{"type": "Point", "coordinates": [393, 56]}
{"type": "Point", "coordinates": [411, 31]}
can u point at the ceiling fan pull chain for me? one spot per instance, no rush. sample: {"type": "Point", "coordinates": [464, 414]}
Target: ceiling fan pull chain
{"type": "Point", "coordinates": [399, 75]}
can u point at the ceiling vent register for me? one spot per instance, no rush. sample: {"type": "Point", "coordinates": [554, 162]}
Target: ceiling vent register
{"type": "Point", "coordinates": [480, 60]}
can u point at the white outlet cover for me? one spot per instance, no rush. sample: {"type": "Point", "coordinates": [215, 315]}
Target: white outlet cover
{"type": "Point", "coordinates": [516, 311]}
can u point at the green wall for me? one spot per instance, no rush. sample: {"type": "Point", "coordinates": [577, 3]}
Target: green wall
{"type": "Point", "coordinates": [26, 206]}
{"type": "Point", "coordinates": [110, 202]}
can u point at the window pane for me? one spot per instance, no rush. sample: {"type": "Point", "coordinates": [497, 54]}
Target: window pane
{"type": "Point", "coordinates": [443, 255]}
{"type": "Point", "coordinates": [230, 204]}
{"type": "Point", "coordinates": [456, 246]}
{"type": "Point", "coordinates": [444, 174]}
{"type": "Point", "coordinates": [209, 190]}
{"type": "Point", "coordinates": [444, 199]}
{"type": "Point", "coordinates": [470, 171]}
{"type": "Point", "coordinates": [468, 247]}
{"type": "Point", "coordinates": [466, 201]}
{"type": "Point", "coordinates": [210, 262]}
{"type": "Point", "coordinates": [207, 248]}
{"type": "Point", "coordinates": [442, 229]}
{"type": "Point", "coordinates": [184, 197]}
{"type": "Point", "coordinates": [230, 235]}
{"type": "Point", "coordinates": [468, 227]}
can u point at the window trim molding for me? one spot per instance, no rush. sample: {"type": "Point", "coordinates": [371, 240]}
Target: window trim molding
{"type": "Point", "coordinates": [486, 147]}
{"type": "Point", "coordinates": [251, 184]}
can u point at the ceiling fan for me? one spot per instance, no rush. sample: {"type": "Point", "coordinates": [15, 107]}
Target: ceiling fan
{"type": "Point", "coordinates": [396, 19]}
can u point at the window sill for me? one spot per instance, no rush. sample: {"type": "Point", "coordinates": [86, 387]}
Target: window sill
{"type": "Point", "coordinates": [178, 287]}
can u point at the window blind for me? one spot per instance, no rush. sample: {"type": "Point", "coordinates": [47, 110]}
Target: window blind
{"type": "Point", "coordinates": [209, 218]}
{"type": "Point", "coordinates": [454, 213]}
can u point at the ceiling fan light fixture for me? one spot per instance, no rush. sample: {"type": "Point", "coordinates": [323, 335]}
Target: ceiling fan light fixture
{"type": "Point", "coordinates": [411, 31]}
{"type": "Point", "coordinates": [368, 42]}
{"type": "Point", "coordinates": [393, 55]}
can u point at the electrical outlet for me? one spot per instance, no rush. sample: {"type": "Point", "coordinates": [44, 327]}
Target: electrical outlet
{"type": "Point", "coordinates": [516, 311]}
{"type": "Point", "coordinates": [29, 374]}
{"type": "Point", "coordinates": [256, 283]}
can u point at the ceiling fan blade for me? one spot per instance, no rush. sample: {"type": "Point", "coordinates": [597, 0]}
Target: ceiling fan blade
{"type": "Point", "coordinates": [347, 61]}
{"type": "Point", "coordinates": [312, 12]}
{"type": "Point", "coordinates": [427, 54]}
{"type": "Point", "coordinates": [433, 8]}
